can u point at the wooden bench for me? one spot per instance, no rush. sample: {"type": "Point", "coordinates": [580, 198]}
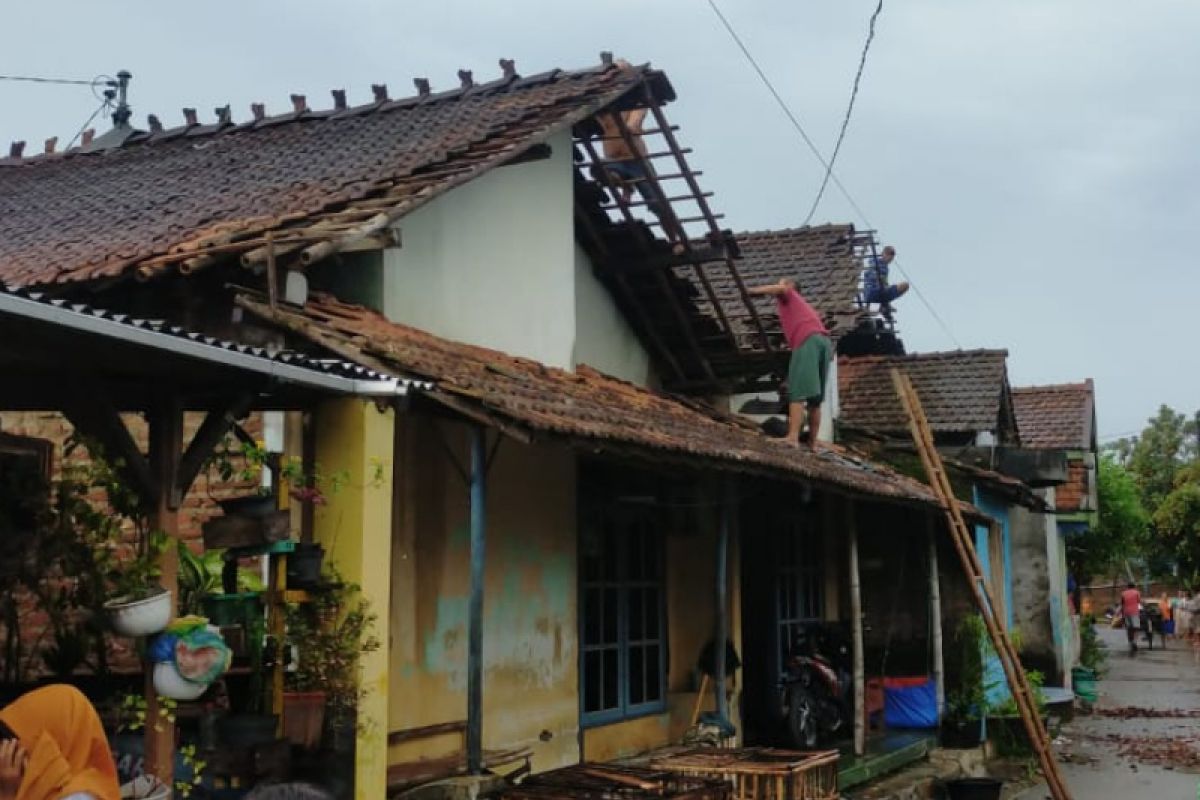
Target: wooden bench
{"type": "Point", "coordinates": [408, 775]}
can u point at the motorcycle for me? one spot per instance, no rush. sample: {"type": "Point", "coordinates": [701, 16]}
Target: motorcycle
{"type": "Point", "coordinates": [815, 687]}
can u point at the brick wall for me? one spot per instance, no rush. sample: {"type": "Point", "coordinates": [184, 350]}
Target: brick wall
{"type": "Point", "coordinates": [1069, 496]}
{"type": "Point", "coordinates": [199, 505]}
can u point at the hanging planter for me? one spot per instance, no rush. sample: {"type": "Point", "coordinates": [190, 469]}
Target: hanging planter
{"type": "Point", "coordinates": [169, 683]}
{"type": "Point", "coordinates": [141, 617]}
{"type": "Point", "coordinates": [304, 566]}
{"type": "Point", "coordinates": [303, 718]}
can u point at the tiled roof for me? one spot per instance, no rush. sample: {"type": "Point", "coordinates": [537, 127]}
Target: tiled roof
{"type": "Point", "coordinates": [962, 391]}
{"type": "Point", "coordinates": [585, 407]}
{"type": "Point", "coordinates": [823, 259]}
{"type": "Point", "coordinates": [164, 196]}
{"type": "Point", "coordinates": [1057, 417]}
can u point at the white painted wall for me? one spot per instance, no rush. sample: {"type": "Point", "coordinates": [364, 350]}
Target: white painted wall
{"type": "Point", "coordinates": [604, 339]}
{"type": "Point", "coordinates": [829, 409]}
{"type": "Point", "coordinates": [491, 262]}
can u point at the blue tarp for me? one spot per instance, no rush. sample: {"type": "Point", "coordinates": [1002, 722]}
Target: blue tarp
{"type": "Point", "coordinates": [910, 703]}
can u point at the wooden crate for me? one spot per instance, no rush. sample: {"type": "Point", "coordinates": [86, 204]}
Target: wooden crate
{"type": "Point", "coordinates": [612, 782]}
{"type": "Point", "coordinates": [761, 773]}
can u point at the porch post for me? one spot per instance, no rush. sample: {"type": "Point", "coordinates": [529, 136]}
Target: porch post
{"type": "Point", "coordinates": [475, 607]}
{"type": "Point", "coordinates": [721, 634]}
{"type": "Point", "coordinates": [935, 616]}
{"type": "Point", "coordinates": [166, 449]}
{"type": "Point", "coordinates": [860, 731]}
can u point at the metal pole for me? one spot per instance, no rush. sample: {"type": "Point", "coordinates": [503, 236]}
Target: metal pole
{"type": "Point", "coordinates": [721, 635]}
{"type": "Point", "coordinates": [860, 730]}
{"type": "Point", "coordinates": [475, 608]}
{"type": "Point", "coordinates": [935, 618]}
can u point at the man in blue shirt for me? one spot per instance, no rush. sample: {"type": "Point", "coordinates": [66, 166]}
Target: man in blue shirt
{"type": "Point", "coordinates": [875, 279]}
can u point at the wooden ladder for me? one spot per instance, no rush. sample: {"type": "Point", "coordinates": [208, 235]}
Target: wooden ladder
{"type": "Point", "coordinates": [1018, 684]}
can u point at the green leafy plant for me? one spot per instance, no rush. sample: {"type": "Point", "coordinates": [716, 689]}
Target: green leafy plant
{"type": "Point", "coordinates": [133, 713]}
{"type": "Point", "coordinates": [1092, 652]}
{"type": "Point", "coordinates": [331, 635]}
{"type": "Point", "coordinates": [969, 699]}
{"type": "Point", "coordinates": [191, 759]}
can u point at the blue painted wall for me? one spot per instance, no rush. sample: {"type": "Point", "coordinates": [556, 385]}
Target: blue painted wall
{"type": "Point", "coordinates": [997, 509]}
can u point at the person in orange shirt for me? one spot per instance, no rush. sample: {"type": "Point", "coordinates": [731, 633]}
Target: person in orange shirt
{"type": "Point", "coordinates": [53, 747]}
{"type": "Point", "coordinates": [1131, 613]}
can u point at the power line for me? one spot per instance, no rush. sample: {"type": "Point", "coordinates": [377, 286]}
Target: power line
{"type": "Point", "coordinates": [837, 148]}
{"type": "Point", "coordinates": [832, 176]}
{"type": "Point", "coordinates": [84, 126]}
{"type": "Point", "coordinates": [38, 79]}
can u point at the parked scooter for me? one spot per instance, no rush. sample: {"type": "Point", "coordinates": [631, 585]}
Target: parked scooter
{"type": "Point", "coordinates": [815, 687]}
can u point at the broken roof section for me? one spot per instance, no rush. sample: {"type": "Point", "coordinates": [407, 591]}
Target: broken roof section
{"type": "Point", "coordinates": [317, 180]}
{"type": "Point", "coordinates": [586, 408]}
{"type": "Point", "coordinates": [1057, 417]}
{"type": "Point", "coordinates": [964, 392]}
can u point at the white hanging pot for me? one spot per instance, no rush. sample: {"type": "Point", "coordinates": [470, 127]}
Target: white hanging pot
{"type": "Point", "coordinates": [169, 683]}
{"type": "Point", "coordinates": [143, 617]}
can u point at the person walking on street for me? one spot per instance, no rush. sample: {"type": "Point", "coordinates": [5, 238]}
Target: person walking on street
{"type": "Point", "coordinates": [1131, 606]}
{"type": "Point", "coordinates": [808, 368]}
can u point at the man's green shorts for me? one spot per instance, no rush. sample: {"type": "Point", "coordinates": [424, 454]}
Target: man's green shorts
{"type": "Point", "coordinates": [808, 370]}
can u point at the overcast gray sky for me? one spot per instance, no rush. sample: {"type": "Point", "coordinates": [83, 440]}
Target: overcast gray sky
{"type": "Point", "coordinates": [1034, 161]}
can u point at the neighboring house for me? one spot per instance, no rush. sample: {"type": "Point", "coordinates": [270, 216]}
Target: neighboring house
{"type": "Point", "coordinates": [469, 238]}
{"type": "Point", "coordinates": [1059, 423]}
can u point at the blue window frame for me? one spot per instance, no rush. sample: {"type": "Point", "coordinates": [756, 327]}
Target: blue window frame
{"type": "Point", "coordinates": [623, 619]}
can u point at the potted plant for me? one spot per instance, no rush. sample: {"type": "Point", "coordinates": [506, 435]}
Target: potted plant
{"type": "Point", "coordinates": [330, 636]}
{"type": "Point", "coordinates": [1005, 719]}
{"type": "Point", "coordinates": [966, 705]}
{"type": "Point", "coordinates": [139, 605]}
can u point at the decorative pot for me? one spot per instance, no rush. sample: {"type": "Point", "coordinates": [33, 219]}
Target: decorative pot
{"type": "Point", "coordinates": [303, 718]}
{"type": "Point", "coordinates": [304, 566]}
{"type": "Point", "coordinates": [169, 683]}
{"type": "Point", "coordinates": [246, 730]}
{"type": "Point", "coordinates": [135, 618]}
{"type": "Point", "coordinates": [974, 789]}
{"type": "Point", "coordinates": [962, 734]}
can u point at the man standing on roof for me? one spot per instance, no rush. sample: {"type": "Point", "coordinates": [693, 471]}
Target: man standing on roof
{"type": "Point", "coordinates": [628, 167]}
{"type": "Point", "coordinates": [811, 349]}
{"type": "Point", "coordinates": [875, 279]}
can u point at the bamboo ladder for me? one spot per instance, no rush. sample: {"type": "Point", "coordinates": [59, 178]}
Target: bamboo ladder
{"type": "Point", "coordinates": [1018, 684]}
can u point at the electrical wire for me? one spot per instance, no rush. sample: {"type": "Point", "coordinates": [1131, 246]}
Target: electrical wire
{"type": "Point", "coordinates": [38, 79]}
{"type": "Point", "coordinates": [84, 126]}
{"type": "Point", "coordinates": [829, 168]}
{"type": "Point", "coordinates": [837, 147]}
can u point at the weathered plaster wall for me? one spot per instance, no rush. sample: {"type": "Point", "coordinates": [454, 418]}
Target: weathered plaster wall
{"type": "Point", "coordinates": [1032, 535]}
{"type": "Point", "coordinates": [530, 642]}
{"type": "Point", "coordinates": [491, 262]}
{"type": "Point", "coordinates": [603, 338]}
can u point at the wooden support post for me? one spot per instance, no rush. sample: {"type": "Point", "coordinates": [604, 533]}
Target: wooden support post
{"type": "Point", "coordinates": [166, 450]}
{"type": "Point", "coordinates": [720, 632]}
{"type": "Point", "coordinates": [860, 729]}
{"type": "Point", "coordinates": [478, 445]}
{"type": "Point", "coordinates": [935, 617]}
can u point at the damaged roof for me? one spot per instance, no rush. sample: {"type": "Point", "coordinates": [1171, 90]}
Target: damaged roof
{"type": "Point", "coordinates": [825, 260]}
{"type": "Point", "coordinates": [1056, 417]}
{"type": "Point", "coordinates": [586, 408]}
{"type": "Point", "coordinates": [316, 179]}
{"type": "Point", "coordinates": [962, 391]}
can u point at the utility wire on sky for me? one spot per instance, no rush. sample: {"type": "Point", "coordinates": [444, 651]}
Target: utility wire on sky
{"type": "Point", "coordinates": [60, 81]}
{"type": "Point", "coordinates": [837, 147]}
{"type": "Point", "coordinates": [832, 176]}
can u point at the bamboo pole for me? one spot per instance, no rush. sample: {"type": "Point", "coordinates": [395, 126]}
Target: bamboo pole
{"type": "Point", "coordinates": [860, 727]}
{"type": "Point", "coordinates": [935, 618]}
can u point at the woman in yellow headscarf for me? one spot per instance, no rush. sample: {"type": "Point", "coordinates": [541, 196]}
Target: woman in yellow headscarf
{"type": "Point", "coordinates": [57, 749]}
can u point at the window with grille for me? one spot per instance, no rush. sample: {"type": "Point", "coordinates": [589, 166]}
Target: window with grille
{"type": "Point", "coordinates": [800, 583]}
{"type": "Point", "coordinates": [623, 619]}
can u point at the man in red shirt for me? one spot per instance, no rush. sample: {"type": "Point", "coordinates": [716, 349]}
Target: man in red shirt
{"type": "Point", "coordinates": [1131, 607]}
{"type": "Point", "coordinates": [811, 349]}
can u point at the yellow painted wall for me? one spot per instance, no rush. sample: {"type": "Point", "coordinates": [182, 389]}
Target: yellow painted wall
{"type": "Point", "coordinates": [355, 527]}
{"type": "Point", "coordinates": [530, 683]}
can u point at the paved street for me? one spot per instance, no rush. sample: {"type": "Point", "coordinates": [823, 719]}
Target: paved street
{"type": "Point", "coordinates": [1144, 739]}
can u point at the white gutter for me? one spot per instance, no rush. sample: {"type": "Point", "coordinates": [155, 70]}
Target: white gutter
{"type": "Point", "coordinates": [111, 328]}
